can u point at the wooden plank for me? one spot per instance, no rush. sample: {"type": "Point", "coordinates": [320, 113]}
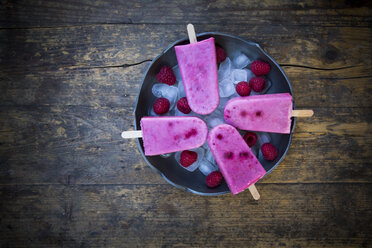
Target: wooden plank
{"type": "Point", "coordinates": [106, 87]}
{"type": "Point", "coordinates": [82, 145]}
{"type": "Point", "coordinates": [50, 13]}
{"type": "Point", "coordinates": [349, 87]}
{"type": "Point", "coordinates": [23, 50]}
{"type": "Point", "coordinates": [304, 215]}
{"type": "Point", "coordinates": [67, 179]}
{"type": "Point", "coordinates": [68, 145]}
{"type": "Point", "coordinates": [118, 87]}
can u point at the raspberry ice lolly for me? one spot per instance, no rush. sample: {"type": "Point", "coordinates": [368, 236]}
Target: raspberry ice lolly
{"type": "Point", "coordinates": [265, 113]}
{"type": "Point", "coordinates": [238, 164]}
{"type": "Point", "coordinates": [170, 134]}
{"type": "Point", "coordinates": [198, 67]}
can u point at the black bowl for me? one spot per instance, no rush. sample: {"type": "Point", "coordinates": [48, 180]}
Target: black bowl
{"type": "Point", "coordinates": [168, 167]}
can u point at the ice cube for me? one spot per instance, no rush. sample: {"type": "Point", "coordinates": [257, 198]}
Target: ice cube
{"type": "Point", "coordinates": [221, 105]}
{"type": "Point", "coordinates": [267, 86]}
{"type": "Point", "coordinates": [226, 88]}
{"type": "Point", "coordinates": [181, 90]}
{"type": "Point", "coordinates": [151, 112]}
{"type": "Point", "coordinates": [224, 70]}
{"type": "Point", "coordinates": [241, 61]}
{"type": "Point", "coordinates": [260, 155]}
{"type": "Point", "coordinates": [215, 121]}
{"type": "Point", "coordinates": [249, 74]}
{"type": "Point", "coordinates": [216, 113]}
{"type": "Point", "coordinates": [194, 166]}
{"type": "Point", "coordinates": [263, 138]}
{"type": "Point", "coordinates": [171, 93]}
{"type": "Point", "coordinates": [233, 95]}
{"type": "Point", "coordinates": [254, 150]}
{"type": "Point", "coordinates": [209, 156]}
{"type": "Point", "coordinates": [238, 75]}
{"type": "Point", "coordinates": [165, 155]}
{"type": "Point", "coordinates": [177, 73]}
{"type": "Point", "coordinates": [179, 113]}
{"type": "Point", "coordinates": [205, 145]}
{"type": "Point", "coordinates": [197, 115]}
{"type": "Point", "coordinates": [166, 91]}
{"type": "Point", "coordinates": [159, 89]}
{"type": "Point", "coordinates": [265, 90]}
{"type": "Point", "coordinates": [207, 167]}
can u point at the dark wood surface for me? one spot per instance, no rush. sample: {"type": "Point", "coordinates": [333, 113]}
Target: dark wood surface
{"type": "Point", "coordinates": [69, 75]}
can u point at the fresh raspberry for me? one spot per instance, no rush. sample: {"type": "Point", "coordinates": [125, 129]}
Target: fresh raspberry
{"type": "Point", "coordinates": [166, 76]}
{"type": "Point", "coordinates": [243, 88]}
{"type": "Point", "coordinates": [188, 158]}
{"type": "Point", "coordinates": [250, 138]}
{"type": "Point", "coordinates": [257, 84]}
{"type": "Point", "coordinates": [183, 105]}
{"type": "Point", "coordinates": [221, 54]}
{"type": "Point", "coordinates": [161, 106]}
{"type": "Point", "coordinates": [269, 151]}
{"type": "Point", "coordinates": [260, 68]}
{"type": "Point", "coordinates": [214, 179]}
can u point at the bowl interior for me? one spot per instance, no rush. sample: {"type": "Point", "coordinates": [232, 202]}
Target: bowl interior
{"type": "Point", "coordinates": [168, 167]}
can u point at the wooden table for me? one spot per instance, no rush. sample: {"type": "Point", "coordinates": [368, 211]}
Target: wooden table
{"type": "Point", "coordinates": [69, 76]}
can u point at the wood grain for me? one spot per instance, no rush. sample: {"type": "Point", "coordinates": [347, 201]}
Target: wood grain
{"type": "Point", "coordinates": [29, 63]}
{"type": "Point", "coordinates": [69, 76]}
{"type": "Point", "coordinates": [112, 45]}
{"type": "Point", "coordinates": [310, 215]}
{"type": "Point", "coordinates": [48, 13]}
{"type": "Point", "coordinates": [118, 87]}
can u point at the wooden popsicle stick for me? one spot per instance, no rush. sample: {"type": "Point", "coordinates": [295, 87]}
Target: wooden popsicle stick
{"type": "Point", "coordinates": [254, 192]}
{"type": "Point", "coordinates": [131, 134]}
{"type": "Point", "coordinates": [302, 113]}
{"type": "Point", "coordinates": [191, 33]}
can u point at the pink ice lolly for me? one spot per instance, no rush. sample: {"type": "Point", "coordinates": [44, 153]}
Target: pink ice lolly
{"type": "Point", "coordinates": [170, 134]}
{"type": "Point", "coordinates": [265, 113]}
{"type": "Point", "coordinates": [198, 67]}
{"type": "Point", "coordinates": [238, 164]}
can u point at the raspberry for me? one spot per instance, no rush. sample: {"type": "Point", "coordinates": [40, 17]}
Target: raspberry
{"type": "Point", "coordinates": [161, 105]}
{"type": "Point", "coordinates": [214, 179]}
{"type": "Point", "coordinates": [257, 84]}
{"type": "Point", "coordinates": [183, 105]}
{"type": "Point", "coordinates": [221, 54]}
{"type": "Point", "coordinates": [250, 138]}
{"type": "Point", "coordinates": [166, 76]}
{"type": "Point", "coordinates": [260, 68]}
{"type": "Point", "coordinates": [243, 88]}
{"type": "Point", "coordinates": [269, 151]}
{"type": "Point", "coordinates": [188, 158]}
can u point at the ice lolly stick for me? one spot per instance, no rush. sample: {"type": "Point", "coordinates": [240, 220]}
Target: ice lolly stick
{"type": "Point", "coordinates": [191, 33]}
{"type": "Point", "coordinates": [254, 192]}
{"type": "Point", "coordinates": [302, 113]}
{"type": "Point", "coordinates": [131, 134]}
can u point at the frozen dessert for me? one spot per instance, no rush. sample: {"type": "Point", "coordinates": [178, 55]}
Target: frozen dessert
{"type": "Point", "coordinates": [264, 113]}
{"type": "Point", "coordinates": [238, 164]}
{"type": "Point", "coordinates": [198, 67]}
{"type": "Point", "coordinates": [171, 133]}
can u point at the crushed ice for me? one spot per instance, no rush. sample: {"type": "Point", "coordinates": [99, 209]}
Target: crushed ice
{"type": "Point", "coordinates": [230, 72]}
